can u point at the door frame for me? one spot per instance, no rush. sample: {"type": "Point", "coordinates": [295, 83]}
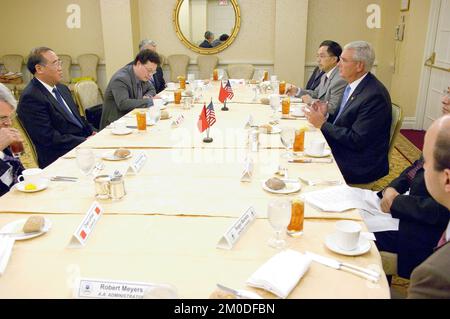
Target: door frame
{"type": "Point", "coordinates": [433, 21]}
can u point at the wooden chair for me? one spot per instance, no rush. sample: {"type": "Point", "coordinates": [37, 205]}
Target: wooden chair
{"type": "Point", "coordinates": [178, 64]}
{"type": "Point", "coordinates": [89, 99]}
{"type": "Point", "coordinates": [88, 65]}
{"type": "Point", "coordinates": [206, 65]}
{"type": "Point", "coordinates": [240, 71]}
{"type": "Point", "coordinates": [29, 159]}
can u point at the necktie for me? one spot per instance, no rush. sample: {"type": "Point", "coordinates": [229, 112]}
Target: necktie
{"type": "Point", "coordinates": [344, 101]}
{"type": "Point", "coordinates": [413, 171]}
{"type": "Point", "coordinates": [65, 109]}
{"type": "Point", "coordinates": [139, 90]}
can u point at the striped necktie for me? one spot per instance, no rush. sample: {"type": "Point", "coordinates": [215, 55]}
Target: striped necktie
{"type": "Point", "coordinates": [343, 102]}
{"type": "Point", "coordinates": [65, 108]}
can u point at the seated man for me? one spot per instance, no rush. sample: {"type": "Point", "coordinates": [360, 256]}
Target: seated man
{"type": "Point", "coordinates": [47, 110]}
{"type": "Point", "coordinates": [157, 80]}
{"type": "Point", "coordinates": [331, 86]}
{"type": "Point", "coordinates": [10, 167]}
{"type": "Point", "coordinates": [358, 133]}
{"type": "Point", "coordinates": [224, 37]}
{"type": "Point", "coordinates": [431, 279]}
{"type": "Point", "coordinates": [209, 38]}
{"type": "Point", "coordinates": [129, 88]}
{"type": "Point", "coordinates": [314, 79]}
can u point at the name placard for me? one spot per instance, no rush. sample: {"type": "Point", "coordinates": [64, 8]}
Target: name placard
{"type": "Point", "coordinates": [177, 122]}
{"type": "Point", "coordinates": [235, 231]}
{"type": "Point", "coordinates": [115, 289]}
{"type": "Point", "coordinates": [86, 227]}
{"type": "Point", "coordinates": [248, 170]}
{"type": "Point", "coordinates": [138, 162]}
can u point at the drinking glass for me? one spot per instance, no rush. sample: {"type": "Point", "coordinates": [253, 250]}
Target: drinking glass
{"type": "Point", "coordinates": [85, 160]}
{"type": "Point", "coordinates": [287, 136]}
{"type": "Point", "coordinates": [17, 149]}
{"type": "Point", "coordinates": [279, 214]}
{"type": "Point", "coordinates": [154, 114]}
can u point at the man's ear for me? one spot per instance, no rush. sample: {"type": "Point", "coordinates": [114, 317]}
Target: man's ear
{"type": "Point", "coordinates": [39, 68]}
{"type": "Point", "coordinates": [447, 180]}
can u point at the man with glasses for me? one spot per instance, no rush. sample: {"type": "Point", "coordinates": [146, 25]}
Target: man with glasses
{"type": "Point", "coordinates": [359, 130]}
{"type": "Point", "coordinates": [129, 88]}
{"type": "Point", "coordinates": [331, 85]}
{"type": "Point", "coordinates": [157, 80]}
{"type": "Point", "coordinates": [47, 110]}
{"type": "Point", "coordinates": [10, 167]}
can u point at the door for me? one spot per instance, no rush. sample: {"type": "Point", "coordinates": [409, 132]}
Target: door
{"type": "Point", "coordinates": [439, 65]}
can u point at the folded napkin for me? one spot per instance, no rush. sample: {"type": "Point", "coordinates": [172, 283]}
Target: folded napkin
{"type": "Point", "coordinates": [281, 273]}
{"type": "Point", "coordinates": [6, 246]}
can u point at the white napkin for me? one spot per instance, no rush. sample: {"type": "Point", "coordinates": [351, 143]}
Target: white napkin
{"type": "Point", "coordinates": [281, 273]}
{"type": "Point", "coordinates": [6, 246]}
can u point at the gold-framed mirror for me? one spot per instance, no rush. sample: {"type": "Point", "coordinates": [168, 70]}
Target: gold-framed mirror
{"type": "Point", "coordinates": [195, 20]}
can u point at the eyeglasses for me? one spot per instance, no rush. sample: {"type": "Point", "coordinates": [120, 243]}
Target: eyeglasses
{"type": "Point", "coordinates": [6, 119]}
{"type": "Point", "coordinates": [149, 71]}
{"type": "Point", "coordinates": [54, 64]}
{"type": "Point", "coordinates": [322, 56]}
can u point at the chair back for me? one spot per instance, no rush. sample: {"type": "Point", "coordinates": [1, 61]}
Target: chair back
{"type": "Point", "coordinates": [163, 59]}
{"type": "Point", "coordinates": [178, 64]}
{"type": "Point", "coordinates": [396, 124]}
{"type": "Point", "coordinates": [29, 159]}
{"type": "Point", "coordinates": [240, 71]}
{"type": "Point", "coordinates": [66, 65]}
{"type": "Point", "coordinates": [87, 94]}
{"type": "Point", "coordinates": [13, 62]}
{"type": "Point", "coordinates": [206, 65]}
{"type": "Point", "coordinates": [88, 65]}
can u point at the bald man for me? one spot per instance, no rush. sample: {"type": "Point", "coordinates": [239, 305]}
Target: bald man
{"type": "Point", "coordinates": [431, 279]}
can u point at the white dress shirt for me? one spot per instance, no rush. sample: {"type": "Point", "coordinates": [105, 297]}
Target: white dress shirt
{"type": "Point", "coordinates": [6, 178]}
{"type": "Point", "coordinates": [50, 89]}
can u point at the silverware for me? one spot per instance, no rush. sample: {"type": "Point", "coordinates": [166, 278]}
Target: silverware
{"type": "Point", "coordinates": [238, 294]}
{"type": "Point", "coordinates": [320, 182]}
{"type": "Point", "coordinates": [63, 179]}
{"type": "Point", "coordinates": [97, 168]}
{"type": "Point", "coordinates": [20, 234]}
{"type": "Point", "coordinates": [358, 271]}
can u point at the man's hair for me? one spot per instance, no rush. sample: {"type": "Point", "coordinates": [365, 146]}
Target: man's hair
{"type": "Point", "coordinates": [334, 48]}
{"type": "Point", "coordinates": [363, 52]}
{"type": "Point", "coordinates": [147, 55]}
{"type": "Point", "coordinates": [442, 148]}
{"type": "Point", "coordinates": [146, 42]}
{"type": "Point", "coordinates": [6, 96]}
{"type": "Point", "coordinates": [224, 37]}
{"type": "Point", "coordinates": [208, 34]}
{"type": "Point", "coordinates": [36, 57]}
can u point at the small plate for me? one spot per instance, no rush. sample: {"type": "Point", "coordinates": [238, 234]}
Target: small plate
{"type": "Point", "coordinates": [291, 187]}
{"type": "Point", "coordinates": [324, 154]}
{"type": "Point", "coordinates": [43, 184]}
{"type": "Point", "coordinates": [363, 246]}
{"type": "Point", "coordinates": [109, 156]}
{"type": "Point", "coordinates": [17, 225]}
{"type": "Point", "coordinates": [275, 130]}
{"type": "Point", "coordinates": [124, 131]}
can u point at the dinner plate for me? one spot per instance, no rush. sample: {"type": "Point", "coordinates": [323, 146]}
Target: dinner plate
{"type": "Point", "coordinates": [362, 248]}
{"type": "Point", "coordinates": [324, 154]}
{"type": "Point", "coordinates": [124, 131]}
{"type": "Point", "coordinates": [17, 227]}
{"type": "Point", "coordinates": [291, 187]}
{"type": "Point", "coordinates": [41, 185]}
{"type": "Point", "coordinates": [109, 156]}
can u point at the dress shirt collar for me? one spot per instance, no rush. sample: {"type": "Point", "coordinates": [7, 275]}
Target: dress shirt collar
{"type": "Point", "coordinates": [331, 71]}
{"type": "Point", "coordinates": [2, 155]}
{"type": "Point", "coordinates": [48, 87]}
{"type": "Point", "coordinates": [355, 84]}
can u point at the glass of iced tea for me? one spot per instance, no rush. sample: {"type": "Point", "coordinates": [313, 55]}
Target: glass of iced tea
{"type": "Point", "coordinates": [299, 141]}
{"type": "Point", "coordinates": [16, 149]}
{"type": "Point", "coordinates": [266, 76]}
{"type": "Point", "coordinates": [182, 80]}
{"type": "Point", "coordinates": [141, 118]}
{"type": "Point", "coordinates": [295, 227]}
{"type": "Point", "coordinates": [215, 75]}
{"type": "Point", "coordinates": [177, 96]}
{"type": "Point", "coordinates": [282, 87]}
{"type": "Point", "coordinates": [285, 107]}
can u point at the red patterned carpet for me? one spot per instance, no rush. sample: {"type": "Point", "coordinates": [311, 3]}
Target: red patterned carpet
{"type": "Point", "coordinates": [414, 136]}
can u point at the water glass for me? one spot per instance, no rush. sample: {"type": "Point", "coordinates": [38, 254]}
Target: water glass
{"type": "Point", "coordinates": [85, 160]}
{"type": "Point", "coordinates": [287, 136]}
{"type": "Point", "coordinates": [279, 214]}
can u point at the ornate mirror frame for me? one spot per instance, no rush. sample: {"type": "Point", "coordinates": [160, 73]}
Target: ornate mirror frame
{"type": "Point", "coordinates": [219, 48]}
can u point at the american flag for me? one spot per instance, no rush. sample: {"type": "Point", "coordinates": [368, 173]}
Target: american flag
{"type": "Point", "coordinates": [210, 114]}
{"type": "Point", "coordinates": [229, 90]}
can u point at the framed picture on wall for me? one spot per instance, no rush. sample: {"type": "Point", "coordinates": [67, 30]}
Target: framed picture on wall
{"type": "Point", "coordinates": [404, 6]}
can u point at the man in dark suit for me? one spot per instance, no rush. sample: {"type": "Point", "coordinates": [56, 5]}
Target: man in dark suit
{"type": "Point", "coordinates": [10, 166]}
{"type": "Point", "coordinates": [431, 279]}
{"type": "Point", "coordinates": [209, 38]}
{"type": "Point", "coordinates": [314, 79]}
{"type": "Point", "coordinates": [48, 111]}
{"type": "Point", "coordinates": [358, 132]}
{"type": "Point", "coordinates": [157, 80]}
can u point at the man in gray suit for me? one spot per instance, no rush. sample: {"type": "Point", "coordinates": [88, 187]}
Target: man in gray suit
{"type": "Point", "coordinates": [431, 279]}
{"type": "Point", "coordinates": [331, 87]}
{"type": "Point", "coordinates": [129, 88]}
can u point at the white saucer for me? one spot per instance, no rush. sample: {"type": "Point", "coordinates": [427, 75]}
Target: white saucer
{"type": "Point", "coordinates": [17, 227]}
{"type": "Point", "coordinates": [41, 185]}
{"type": "Point", "coordinates": [275, 130]}
{"type": "Point", "coordinates": [363, 246]}
{"type": "Point", "coordinates": [124, 131]}
{"type": "Point", "coordinates": [109, 156]}
{"type": "Point", "coordinates": [324, 154]}
{"type": "Point", "coordinates": [290, 188]}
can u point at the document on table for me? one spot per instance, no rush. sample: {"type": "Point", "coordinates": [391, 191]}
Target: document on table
{"type": "Point", "coordinates": [341, 198]}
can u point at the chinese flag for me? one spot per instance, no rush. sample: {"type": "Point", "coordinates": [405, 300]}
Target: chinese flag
{"type": "Point", "coordinates": [202, 122]}
{"type": "Point", "coordinates": [223, 94]}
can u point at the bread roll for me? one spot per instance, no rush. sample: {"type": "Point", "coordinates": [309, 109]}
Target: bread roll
{"type": "Point", "coordinates": [275, 183]}
{"type": "Point", "coordinates": [164, 115]}
{"type": "Point", "coordinates": [122, 153]}
{"type": "Point", "coordinates": [265, 100]}
{"type": "Point", "coordinates": [266, 128]}
{"type": "Point", "coordinates": [34, 224]}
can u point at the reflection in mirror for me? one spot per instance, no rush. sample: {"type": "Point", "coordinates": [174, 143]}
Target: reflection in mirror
{"type": "Point", "coordinates": [207, 26]}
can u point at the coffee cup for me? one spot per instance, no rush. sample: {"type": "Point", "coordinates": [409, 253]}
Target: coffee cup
{"type": "Point", "coordinates": [171, 86]}
{"type": "Point", "coordinates": [317, 147]}
{"type": "Point", "coordinates": [120, 125]}
{"type": "Point", "coordinates": [31, 176]}
{"type": "Point", "coordinates": [297, 111]}
{"type": "Point", "coordinates": [347, 234]}
{"type": "Point", "coordinates": [273, 78]}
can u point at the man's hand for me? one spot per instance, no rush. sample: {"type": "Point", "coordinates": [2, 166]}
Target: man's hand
{"type": "Point", "coordinates": [9, 135]}
{"type": "Point", "coordinates": [292, 90]}
{"type": "Point", "coordinates": [389, 195]}
{"type": "Point", "coordinates": [306, 99]}
{"type": "Point", "coordinates": [316, 113]}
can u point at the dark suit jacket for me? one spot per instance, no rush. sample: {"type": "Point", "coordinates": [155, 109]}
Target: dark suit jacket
{"type": "Point", "coordinates": [158, 77]}
{"type": "Point", "coordinates": [52, 131]}
{"type": "Point", "coordinates": [205, 44]}
{"type": "Point", "coordinates": [314, 80]}
{"type": "Point", "coordinates": [4, 167]}
{"type": "Point", "coordinates": [422, 221]}
{"type": "Point", "coordinates": [431, 279]}
{"type": "Point", "coordinates": [360, 138]}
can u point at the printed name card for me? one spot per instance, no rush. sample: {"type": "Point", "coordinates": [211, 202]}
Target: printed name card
{"type": "Point", "coordinates": [177, 122]}
{"type": "Point", "coordinates": [138, 162]}
{"type": "Point", "coordinates": [249, 122]}
{"type": "Point", "coordinates": [86, 227]}
{"type": "Point", "coordinates": [233, 233]}
{"type": "Point", "coordinates": [248, 170]}
{"type": "Point", "coordinates": [114, 289]}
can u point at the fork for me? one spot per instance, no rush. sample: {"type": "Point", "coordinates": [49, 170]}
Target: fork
{"type": "Point", "coordinates": [97, 168]}
{"type": "Point", "coordinates": [320, 182]}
